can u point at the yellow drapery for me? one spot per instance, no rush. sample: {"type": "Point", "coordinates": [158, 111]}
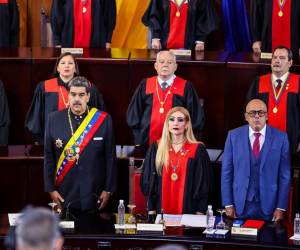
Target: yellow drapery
{"type": "Point", "coordinates": [129, 31]}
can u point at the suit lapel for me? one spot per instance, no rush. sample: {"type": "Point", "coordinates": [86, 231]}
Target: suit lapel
{"type": "Point", "coordinates": [266, 147]}
{"type": "Point", "coordinates": [246, 149]}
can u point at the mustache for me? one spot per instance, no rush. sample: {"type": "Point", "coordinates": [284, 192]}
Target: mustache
{"type": "Point", "coordinates": [76, 103]}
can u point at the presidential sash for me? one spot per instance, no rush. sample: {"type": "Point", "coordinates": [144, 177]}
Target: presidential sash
{"type": "Point", "coordinates": [77, 143]}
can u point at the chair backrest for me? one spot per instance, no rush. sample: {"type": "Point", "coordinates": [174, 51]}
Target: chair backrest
{"type": "Point", "coordinates": [135, 195]}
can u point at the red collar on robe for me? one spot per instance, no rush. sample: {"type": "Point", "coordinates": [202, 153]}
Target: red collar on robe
{"type": "Point", "coordinates": [3, 1]}
{"type": "Point", "coordinates": [178, 21]}
{"type": "Point", "coordinates": [82, 23]}
{"type": "Point", "coordinates": [52, 86]}
{"type": "Point", "coordinates": [281, 23]}
{"type": "Point", "coordinates": [157, 119]}
{"type": "Point", "coordinates": [173, 191]}
{"type": "Point", "coordinates": [277, 104]}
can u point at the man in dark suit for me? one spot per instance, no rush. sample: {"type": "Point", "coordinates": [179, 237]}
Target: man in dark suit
{"type": "Point", "coordinates": [80, 158]}
{"type": "Point", "coordinates": [256, 168]}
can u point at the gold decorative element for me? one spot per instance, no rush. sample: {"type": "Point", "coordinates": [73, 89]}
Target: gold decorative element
{"type": "Point", "coordinates": [275, 110]}
{"type": "Point", "coordinates": [59, 143]}
{"type": "Point", "coordinates": [280, 13]}
{"type": "Point", "coordinates": [174, 177]}
{"type": "Point", "coordinates": [84, 9]}
{"type": "Point", "coordinates": [178, 14]}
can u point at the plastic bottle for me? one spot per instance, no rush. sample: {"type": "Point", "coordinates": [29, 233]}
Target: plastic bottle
{"type": "Point", "coordinates": [209, 218]}
{"type": "Point", "coordinates": [297, 226]}
{"type": "Point", "coordinates": [121, 213]}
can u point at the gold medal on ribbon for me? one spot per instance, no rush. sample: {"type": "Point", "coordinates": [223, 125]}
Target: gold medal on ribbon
{"type": "Point", "coordinates": [177, 14]}
{"type": "Point", "coordinates": [84, 9]}
{"type": "Point", "coordinates": [174, 177]}
{"type": "Point", "coordinates": [275, 110]}
{"type": "Point", "coordinates": [280, 13]}
{"type": "Point", "coordinates": [161, 110]}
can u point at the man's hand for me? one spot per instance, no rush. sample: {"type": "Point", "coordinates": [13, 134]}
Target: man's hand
{"type": "Point", "coordinates": [230, 212]}
{"type": "Point", "coordinates": [108, 45]}
{"type": "Point", "coordinates": [278, 215]}
{"type": "Point", "coordinates": [104, 197]}
{"type": "Point", "coordinates": [256, 47]}
{"type": "Point", "coordinates": [155, 44]}
{"type": "Point", "coordinates": [57, 198]}
{"type": "Point", "coordinates": [199, 46]}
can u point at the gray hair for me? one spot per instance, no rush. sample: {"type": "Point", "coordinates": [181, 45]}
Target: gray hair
{"type": "Point", "coordinates": [37, 228]}
{"type": "Point", "coordinates": [170, 53]}
{"type": "Point", "coordinates": [80, 81]}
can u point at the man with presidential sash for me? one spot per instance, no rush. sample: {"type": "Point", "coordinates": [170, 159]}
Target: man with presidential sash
{"type": "Point", "coordinates": [280, 91]}
{"type": "Point", "coordinates": [80, 161]}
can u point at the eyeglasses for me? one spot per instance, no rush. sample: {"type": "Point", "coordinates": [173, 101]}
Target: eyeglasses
{"type": "Point", "coordinates": [179, 119]}
{"type": "Point", "coordinates": [252, 113]}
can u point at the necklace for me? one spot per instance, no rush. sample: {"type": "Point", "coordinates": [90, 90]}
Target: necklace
{"type": "Point", "coordinates": [84, 9]}
{"type": "Point", "coordinates": [63, 97]}
{"type": "Point", "coordinates": [174, 175]}
{"type": "Point", "coordinates": [162, 103]}
{"type": "Point", "coordinates": [74, 151]}
{"type": "Point", "coordinates": [177, 143]}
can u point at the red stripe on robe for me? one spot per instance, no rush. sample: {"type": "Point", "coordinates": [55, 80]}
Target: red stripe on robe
{"type": "Point", "coordinates": [3, 1]}
{"type": "Point", "coordinates": [51, 86]}
{"type": "Point", "coordinates": [173, 191]}
{"type": "Point", "coordinates": [157, 119]}
{"type": "Point", "coordinates": [177, 26]}
{"type": "Point", "coordinates": [279, 119]}
{"type": "Point", "coordinates": [281, 26]}
{"type": "Point", "coordinates": [82, 23]}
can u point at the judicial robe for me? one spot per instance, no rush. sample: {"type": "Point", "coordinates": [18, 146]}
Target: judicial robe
{"type": "Point", "coordinates": [103, 20]}
{"type": "Point", "coordinates": [44, 102]}
{"type": "Point", "coordinates": [261, 23]}
{"type": "Point", "coordinates": [142, 114]}
{"type": "Point", "coordinates": [200, 21]}
{"type": "Point", "coordinates": [9, 24]}
{"type": "Point", "coordinates": [96, 168]}
{"type": "Point", "coordinates": [4, 116]}
{"type": "Point", "coordinates": [290, 106]}
{"type": "Point", "coordinates": [197, 187]}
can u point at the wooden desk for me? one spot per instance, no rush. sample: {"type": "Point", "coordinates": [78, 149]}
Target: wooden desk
{"type": "Point", "coordinates": [95, 231]}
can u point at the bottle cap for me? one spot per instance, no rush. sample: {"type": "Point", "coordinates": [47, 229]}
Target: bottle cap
{"type": "Point", "coordinates": [209, 206]}
{"type": "Point", "coordinates": [121, 201]}
{"type": "Point", "coordinates": [297, 215]}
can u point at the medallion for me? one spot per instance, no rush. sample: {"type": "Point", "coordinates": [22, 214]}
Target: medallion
{"type": "Point", "coordinates": [177, 14]}
{"type": "Point", "coordinates": [70, 154]}
{"type": "Point", "coordinates": [174, 177]}
{"type": "Point", "coordinates": [58, 143]}
{"type": "Point", "coordinates": [280, 13]}
{"type": "Point", "coordinates": [161, 110]}
{"type": "Point", "coordinates": [275, 110]}
{"type": "Point", "coordinates": [84, 9]}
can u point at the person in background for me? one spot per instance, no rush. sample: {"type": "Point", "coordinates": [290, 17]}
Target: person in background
{"type": "Point", "coordinates": [177, 24]}
{"type": "Point", "coordinates": [52, 95]}
{"type": "Point", "coordinates": [38, 229]}
{"type": "Point", "coordinates": [83, 23]}
{"type": "Point", "coordinates": [177, 176]}
{"type": "Point", "coordinates": [255, 179]}
{"type": "Point", "coordinates": [155, 96]}
{"type": "Point", "coordinates": [9, 24]}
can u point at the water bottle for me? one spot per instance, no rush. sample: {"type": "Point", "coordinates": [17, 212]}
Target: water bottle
{"type": "Point", "coordinates": [121, 213]}
{"type": "Point", "coordinates": [297, 226]}
{"type": "Point", "coordinates": [209, 218]}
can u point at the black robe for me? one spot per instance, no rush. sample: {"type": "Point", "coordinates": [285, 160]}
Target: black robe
{"type": "Point", "coordinates": [201, 21]}
{"type": "Point", "coordinates": [4, 116]}
{"type": "Point", "coordinates": [198, 184]}
{"type": "Point", "coordinates": [9, 24]}
{"type": "Point", "coordinates": [44, 103]}
{"type": "Point", "coordinates": [140, 109]}
{"type": "Point", "coordinates": [103, 22]}
{"type": "Point", "coordinates": [261, 23]}
{"type": "Point", "coordinates": [96, 169]}
{"type": "Point", "coordinates": [293, 112]}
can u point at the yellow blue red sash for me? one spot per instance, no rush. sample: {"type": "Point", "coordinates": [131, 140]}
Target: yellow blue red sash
{"type": "Point", "coordinates": [77, 143]}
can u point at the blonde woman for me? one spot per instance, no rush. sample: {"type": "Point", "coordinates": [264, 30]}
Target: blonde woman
{"type": "Point", "coordinates": [177, 176]}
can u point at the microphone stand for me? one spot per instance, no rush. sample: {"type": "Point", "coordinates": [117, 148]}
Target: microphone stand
{"type": "Point", "coordinates": [150, 216]}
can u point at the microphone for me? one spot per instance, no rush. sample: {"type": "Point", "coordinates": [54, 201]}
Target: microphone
{"type": "Point", "coordinates": [151, 215]}
{"type": "Point", "coordinates": [77, 201]}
